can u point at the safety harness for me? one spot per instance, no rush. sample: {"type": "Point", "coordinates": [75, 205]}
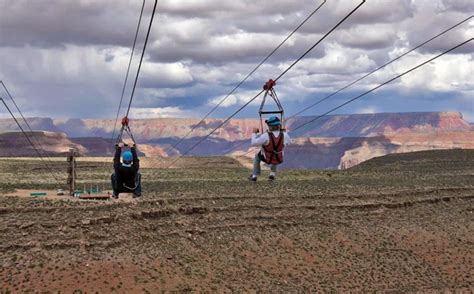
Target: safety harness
{"type": "Point", "coordinates": [273, 151]}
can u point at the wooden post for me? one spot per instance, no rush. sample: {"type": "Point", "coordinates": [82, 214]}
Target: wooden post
{"type": "Point", "coordinates": [72, 175]}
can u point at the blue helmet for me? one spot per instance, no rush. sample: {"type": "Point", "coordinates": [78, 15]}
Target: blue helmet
{"type": "Point", "coordinates": [127, 157]}
{"type": "Point", "coordinates": [273, 121]}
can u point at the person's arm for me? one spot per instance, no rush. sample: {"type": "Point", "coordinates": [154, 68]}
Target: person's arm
{"type": "Point", "coordinates": [259, 140]}
{"type": "Point", "coordinates": [136, 161]}
{"type": "Point", "coordinates": [118, 152]}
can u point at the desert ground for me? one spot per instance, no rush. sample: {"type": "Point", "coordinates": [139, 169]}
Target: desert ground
{"type": "Point", "coordinates": [400, 223]}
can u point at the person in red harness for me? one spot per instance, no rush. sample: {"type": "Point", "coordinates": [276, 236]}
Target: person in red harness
{"type": "Point", "coordinates": [272, 144]}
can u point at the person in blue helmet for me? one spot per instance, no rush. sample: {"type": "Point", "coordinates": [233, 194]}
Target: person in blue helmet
{"type": "Point", "coordinates": [126, 177]}
{"type": "Point", "coordinates": [272, 144]}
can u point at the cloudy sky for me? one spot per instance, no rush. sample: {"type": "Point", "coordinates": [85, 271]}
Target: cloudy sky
{"type": "Point", "coordinates": [68, 58]}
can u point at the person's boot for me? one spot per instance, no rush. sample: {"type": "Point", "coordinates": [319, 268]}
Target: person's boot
{"type": "Point", "coordinates": [271, 177]}
{"type": "Point", "coordinates": [252, 178]}
{"type": "Point", "coordinates": [137, 195]}
{"type": "Point", "coordinates": [115, 196]}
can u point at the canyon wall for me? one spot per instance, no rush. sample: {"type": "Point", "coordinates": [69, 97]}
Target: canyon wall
{"type": "Point", "coordinates": [337, 141]}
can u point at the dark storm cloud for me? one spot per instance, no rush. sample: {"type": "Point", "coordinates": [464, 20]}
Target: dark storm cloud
{"type": "Point", "coordinates": [368, 37]}
{"type": "Point", "coordinates": [436, 25]}
{"type": "Point", "coordinates": [465, 6]}
{"type": "Point", "coordinates": [223, 9]}
{"type": "Point", "coordinates": [242, 47]}
{"type": "Point", "coordinates": [55, 23]}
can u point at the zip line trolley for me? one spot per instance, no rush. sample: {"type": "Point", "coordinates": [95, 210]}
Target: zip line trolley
{"type": "Point", "coordinates": [125, 129]}
{"type": "Point", "coordinates": [270, 94]}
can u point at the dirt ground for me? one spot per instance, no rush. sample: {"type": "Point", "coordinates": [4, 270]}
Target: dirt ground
{"type": "Point", "coordinates": [400, 223]}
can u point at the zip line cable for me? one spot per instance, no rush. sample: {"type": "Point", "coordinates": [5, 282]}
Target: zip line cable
{"type": "Point", "coordinates": [368, 74]}
{"type": "Point", "coordinates": [128, 70]}
{"type": "Point", "coordinates": [28, 138]}
{"type": "Point", "coordinates": [126, 127]}
{"type": "Point", "coordinates": [24, 119]}
{"type": "Point", "coordinates": [320, 40]}
{"type": "Point", "coordinates": [141, 58]}
{"type": "Point", "coordinates": [246, 77]}
{"type": "Point", "coordinates": [126, 78]}
{"type": "Point", "coordinates": [281, 75]}
{"type": "Point", "coordinates": [380, 67]}
{"type": "Point", "coordinates": [383, 84]}
{"type": "Point", "coordinates": [377, 87]}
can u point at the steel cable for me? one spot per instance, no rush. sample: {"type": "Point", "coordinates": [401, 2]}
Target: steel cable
{"type": "Point", "coordinates": [368, 74]}
{"type": "Point", "coordinates": [379, 68]}
{"type": "Point", "coordinates": [375, 88]}
{"type": "Point", "coordinates": [45, 154]}
{"type": "Point", "coordinates": [128, 70]}
{"type": "Point", "coordinates": [29, 140]}
{"type": "Point", "coordinates": [382, 84]}
{"type": "Point", "coordinates": [141, 58]}
{"type": "Point", "coordinates": [245, 79]}
{"type": "Point", "coordinates": [280, 76]}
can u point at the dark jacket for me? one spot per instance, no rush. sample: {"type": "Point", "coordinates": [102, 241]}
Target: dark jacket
{"type": "Point", "coordinates": [126, 175]}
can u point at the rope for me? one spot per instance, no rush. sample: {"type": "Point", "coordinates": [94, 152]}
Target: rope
{"type": "Point", "coordinates": [29, 140]}
{"type": "Point", "coordinates": [256, 96]}
{"type": "Point", "coordinates": [246, 78]}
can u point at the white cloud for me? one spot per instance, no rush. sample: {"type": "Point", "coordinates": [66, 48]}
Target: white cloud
{"type": "Point", "coordinates": [448, 73]}
{"type": "Point", "coordinates": [236, 99]}
{"type": "Point", "coordinates": [162, 112]}
{"type": "Point", "coordinates": [368, 109]}
{"type": "Point", "coordinates": [165, 75]}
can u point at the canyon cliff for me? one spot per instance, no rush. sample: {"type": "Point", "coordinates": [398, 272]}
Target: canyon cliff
{"type": "Point", "coordinates": [336, 141]}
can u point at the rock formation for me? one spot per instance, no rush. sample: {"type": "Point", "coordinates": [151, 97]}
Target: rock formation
{"type": "Point", "coordinates": [336, 141]}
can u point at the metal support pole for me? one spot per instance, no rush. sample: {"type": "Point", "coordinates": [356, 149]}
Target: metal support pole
{"type": "Point", "coordinates": [72, 175]}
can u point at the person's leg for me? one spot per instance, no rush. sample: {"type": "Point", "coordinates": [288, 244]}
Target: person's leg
{"type": "Point", "coordinates": [114, 186]}
{"type": "Point", "coordinates": [138, 189]}
{"type": "Point", "coordinates": [256, 166]}
{"type": "Point", "coordinates": [273, 171]}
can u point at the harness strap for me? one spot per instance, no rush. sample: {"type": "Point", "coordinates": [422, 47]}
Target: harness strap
{"type": "Point", "coordinates": [137, 179]}
{"type": "Point", "coordinates": [275, 146]}
{"type": "Point", "coordinates": [136, 185]}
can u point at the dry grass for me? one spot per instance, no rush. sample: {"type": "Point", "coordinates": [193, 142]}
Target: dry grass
{"type": "Point", "coordinates": [401, 223]}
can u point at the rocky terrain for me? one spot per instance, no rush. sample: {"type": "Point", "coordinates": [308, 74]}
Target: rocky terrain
{"type": "Point", "coordinates": [338, 141]}
{"type": "Point", "coordinates": [398, 223]}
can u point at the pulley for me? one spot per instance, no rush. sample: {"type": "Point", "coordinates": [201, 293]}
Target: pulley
{"type": "Point", "coordinates": [125, 129]}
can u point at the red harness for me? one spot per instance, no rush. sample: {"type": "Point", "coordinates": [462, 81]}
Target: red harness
{"type": "Point", "coordinates": [273, 151]}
